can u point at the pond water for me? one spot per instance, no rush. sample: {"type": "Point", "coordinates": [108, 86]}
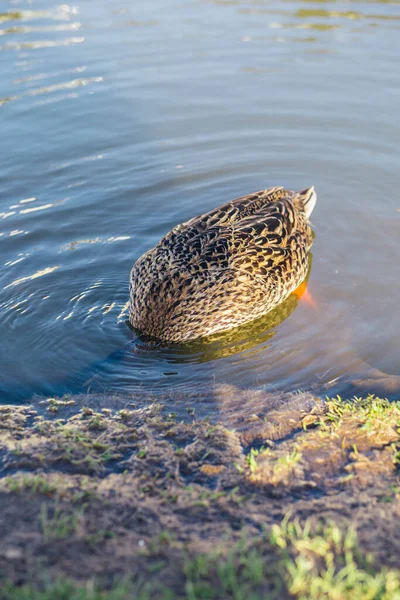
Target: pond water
{"type": "Point", "coordinates": [120, 119]}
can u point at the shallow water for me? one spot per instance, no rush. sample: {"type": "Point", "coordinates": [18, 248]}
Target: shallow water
{"type": "Point", "coordinates": [119, 120]}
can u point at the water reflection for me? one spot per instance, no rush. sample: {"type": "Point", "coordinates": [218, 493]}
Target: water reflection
{"type": "Point", "coordinates": [64, 13]}
{"type": "Point", "coordinates": [289, 9]}
{"type": "Point", "coordinates": [148, 121]}
{"type": "Point", "coordinates": [59, 13]}
{"type": "Point", "coordinates": [304, 13]}
{"type": "Point", "coordinates": [40, 273]}
{"type": "Point", "coordinates": [40, 44]}
{"type": "Point", "coordinates": [44, 29]}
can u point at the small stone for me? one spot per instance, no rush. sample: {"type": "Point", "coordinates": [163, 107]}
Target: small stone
{"type": "Point", "coordinates": [12, 553]}
{"type": "Point", "coordinates": [309, 420]}
{"type": "Point", "coordinates": [212, 470]}
{"type": "Point", "coordinates": [253, 418]}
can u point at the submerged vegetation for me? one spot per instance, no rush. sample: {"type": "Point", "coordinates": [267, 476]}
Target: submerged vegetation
{"type": "Point", "coordinates": [119, 504]}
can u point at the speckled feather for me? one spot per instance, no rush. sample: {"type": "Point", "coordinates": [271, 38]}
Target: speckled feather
{"type": "Point", "coordinates": [223, 268]}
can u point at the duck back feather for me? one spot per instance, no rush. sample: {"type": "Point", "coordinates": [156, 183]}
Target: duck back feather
{"type": "Point", "coordinates": [223, 268]}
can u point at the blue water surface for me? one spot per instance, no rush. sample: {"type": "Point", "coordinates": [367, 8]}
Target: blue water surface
{"type": "Point", "coordinates": [121, 119]}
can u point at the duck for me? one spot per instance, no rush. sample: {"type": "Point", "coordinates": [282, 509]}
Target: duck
{"type": "Point", "coordinates": [223, 268]}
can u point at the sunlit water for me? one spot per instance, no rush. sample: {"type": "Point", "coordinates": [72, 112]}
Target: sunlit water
{"type": "Point", "coordinates": [121, 119]}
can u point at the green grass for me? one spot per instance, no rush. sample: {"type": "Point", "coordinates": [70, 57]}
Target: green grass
{"type": "Point", "coordinates": [370, 409]}
{"type": "Point", "coordinates": [300, 561]}
{"type": "Point", "coordinates": [325, 563]}
{"type": "Point", "coordinates": [37, 484]}
{"type": "Point", "coordinates": [241, 574]}
{"type": "Point", "coordinates": [60, 525]}
{"type": "Point", "coordinates": [251, 458]}
{"type": "Point", "coordinates": [66, 590]}
{"type": "Point", "coordinates": [313, 563]}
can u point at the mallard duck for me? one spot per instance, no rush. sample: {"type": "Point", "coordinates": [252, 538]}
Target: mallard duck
{"type": "Point", "coordinates": [223, 268]}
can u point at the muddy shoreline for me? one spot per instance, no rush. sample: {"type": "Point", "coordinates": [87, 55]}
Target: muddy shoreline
{"type": "Point", "coordinates": [94, 499]}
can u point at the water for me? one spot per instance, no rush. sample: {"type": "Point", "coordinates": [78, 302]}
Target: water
{"type": "Point", "coordinates": [121, 119]}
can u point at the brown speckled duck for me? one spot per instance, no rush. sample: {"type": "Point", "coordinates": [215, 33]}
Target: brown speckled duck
{"type": "Point", "coordinates": [223, 268]}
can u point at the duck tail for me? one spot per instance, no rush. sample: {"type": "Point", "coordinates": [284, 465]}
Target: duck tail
{"type": "Point", "coordinates": [306, 199]}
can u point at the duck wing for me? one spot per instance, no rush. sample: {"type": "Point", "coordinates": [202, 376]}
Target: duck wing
{"type": "Point", "coordinates": [261, 236]}
{"type": "Point", "coordinates": [253, 240]}
{"type": "Point", "coordinates": [201, 232]}
{"type": "Point", "coordinates": [238, 209]}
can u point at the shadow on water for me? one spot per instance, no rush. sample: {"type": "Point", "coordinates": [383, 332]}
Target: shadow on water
{"type": "Point", "coordinates": [250, 337]}
{"type": "Point", "coordinates": [154, 370]}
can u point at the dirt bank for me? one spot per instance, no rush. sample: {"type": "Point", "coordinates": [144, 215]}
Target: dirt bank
{"type": "Point", "coordinates": [300, 502]}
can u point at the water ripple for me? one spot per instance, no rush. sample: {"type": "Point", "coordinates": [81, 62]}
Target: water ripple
{"type": "Point", "coordinates": [40, 273]}
{"type": "Point", "coordinates": [213, 100]}
{"type": "Point", "coordinates": [40, 44]}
